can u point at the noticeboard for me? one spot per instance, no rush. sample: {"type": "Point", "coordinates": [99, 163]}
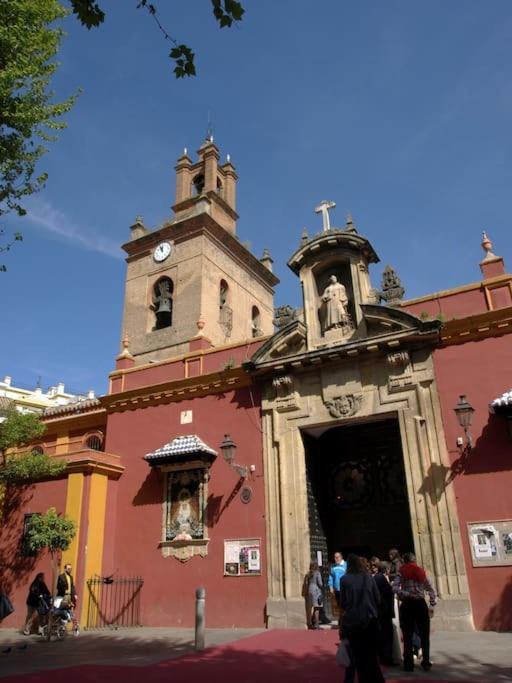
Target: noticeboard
{"type": "Point", "coordinates": [242, 557]}
{"type": "Point", "coordinates": [490, 543]}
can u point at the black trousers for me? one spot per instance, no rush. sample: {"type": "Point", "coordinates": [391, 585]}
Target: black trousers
{"type": "Point", "coordinates": [364, 646]}
{"type": "Point", "coordinates": [385, 640]}
{"type": "Point", "coordinates": [414, 613]}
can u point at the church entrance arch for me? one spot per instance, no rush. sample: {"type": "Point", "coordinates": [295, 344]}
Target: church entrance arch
{"type": "Point", "coordinates": [357, 490]}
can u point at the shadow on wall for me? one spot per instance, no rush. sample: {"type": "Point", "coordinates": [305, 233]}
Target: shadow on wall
{"type": "Point", "coordinates": [492, 452]}
{"type": "Point", "coordinates": [14, 567]}
{"type": "Point", "coordinates": [150, 491]}
{"type": "Point", "coordinates": [499, 617]}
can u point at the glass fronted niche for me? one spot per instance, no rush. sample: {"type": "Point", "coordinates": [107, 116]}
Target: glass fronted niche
{"type": "Point", "coordinates": [186, 505]}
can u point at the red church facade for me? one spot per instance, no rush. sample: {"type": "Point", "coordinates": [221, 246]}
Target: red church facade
{"type": "Point", "coordinates": [182, 516]}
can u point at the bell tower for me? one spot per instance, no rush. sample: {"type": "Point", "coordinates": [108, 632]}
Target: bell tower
{"type": "Point", "coordinates": [190, 282]}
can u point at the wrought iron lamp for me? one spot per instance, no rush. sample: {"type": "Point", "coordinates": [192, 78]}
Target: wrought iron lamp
{"type": "Point", "coordinates": [228, 448]}
{"type": "Point", "coordinates": [464, 411]}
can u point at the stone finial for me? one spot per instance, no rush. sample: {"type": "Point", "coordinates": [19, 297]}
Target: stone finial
{"type": "Point", "coordinates": [304, 237]}
{"type": "Point", "coordinates": [349, 224]}
{"type": "Point", "coordinates": [138, 229]}
{"type": "Point", "coordinates": [200, 325]}
{"type": "Point", "coordinates": [266, 259]}
{"type": "Point", "coordinates": [284, 315]}
{"type": "Point", "coordinates": [125, 352]}
{"type": "Point", "coordinates": [392, 291]}
{"type": "Point", "coordinates": [491, 265]}
{"type": "Point", "coordinates": [487, 247]}
{"type": "Point", "coordinates": [228, 158]}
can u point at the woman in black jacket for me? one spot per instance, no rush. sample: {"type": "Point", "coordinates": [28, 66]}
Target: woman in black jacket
{"type": "Point", "coordinates": [38, 589]}
{"type": "Point", "coordinates": [359, 623]}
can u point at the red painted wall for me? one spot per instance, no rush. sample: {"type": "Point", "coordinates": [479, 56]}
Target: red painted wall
{"type": "Point", "coordinates": [135, 525]}
{"type": "Point", "coordinates": [16, 572]}
{"type": "Point", "coordinates": [482, 370]}
{"type": "Point", "coordinates": [456, 305]}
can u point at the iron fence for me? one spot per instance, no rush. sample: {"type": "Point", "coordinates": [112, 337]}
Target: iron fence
{"type": "Point", "coordinates": [113, 602]}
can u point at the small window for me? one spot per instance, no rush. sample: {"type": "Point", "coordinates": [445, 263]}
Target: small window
{"type": "Point", "coordinates": [256, 322]}
{"type": "Point", "coordinates": [94, 442]}
{"type": "Point", "coordinates": [219, 187]}
{"type": "Point", "coordinates": [38, 450]}
{"type": "Point", "coordinates": [162, 304]}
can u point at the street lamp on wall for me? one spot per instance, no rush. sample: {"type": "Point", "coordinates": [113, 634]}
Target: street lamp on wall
{"type": "Point", "coordinates": [464, 411]}
{"type": "Point", "coordinates": [228, 448]}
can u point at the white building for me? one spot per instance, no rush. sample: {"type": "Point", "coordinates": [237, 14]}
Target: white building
{"type": "Point", "coordinates": [36, 400]}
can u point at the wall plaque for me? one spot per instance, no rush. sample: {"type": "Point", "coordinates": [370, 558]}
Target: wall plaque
{"type": "Point", "coordinates": [242, 557]}
{"type": "Point", "coordinates": [490, 543]}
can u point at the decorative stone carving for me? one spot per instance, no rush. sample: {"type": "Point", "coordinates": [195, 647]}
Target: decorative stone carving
{"type": "Point", "coordinates": [400, 375]}
{"type": "Point", "coordinates": [398, 360]}
{"type": "Point", "coordinates": [345, 405]}
{"type": "Point", "coordinates": [285, 395]}
{"type": "Point", "coordinates": [284, 315]}
{"type": "Point", "coordinates": [335, 301]}
{"type": "Point", "coordinates": [392, 290]}
{"type": "Point", "coordinates": [184, 550]}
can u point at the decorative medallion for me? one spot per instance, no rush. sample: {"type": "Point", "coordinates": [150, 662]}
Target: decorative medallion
{"type": "Point", "coordinates": [246, 494]}
{"type": "Point", "coordinates": [345, 405]}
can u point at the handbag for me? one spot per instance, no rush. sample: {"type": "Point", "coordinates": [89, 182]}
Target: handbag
{"type": "Point", "coordinates": [342, 655]}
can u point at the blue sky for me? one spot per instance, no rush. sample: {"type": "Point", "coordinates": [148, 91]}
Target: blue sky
{"type": "Point", "coordinates": [398, 111]}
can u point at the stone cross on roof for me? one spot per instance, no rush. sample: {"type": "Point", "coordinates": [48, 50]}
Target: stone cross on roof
{"type": "Point", "coordinates": [323, 208]}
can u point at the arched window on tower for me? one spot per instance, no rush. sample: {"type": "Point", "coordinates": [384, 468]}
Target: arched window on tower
{"type": "Point", "coordinates": [163, 302]}
{"type": "Point", "coordinates": [198, 184]}
{"type": "Point", "coordinates": [38, 450]}
{"type": "Point", "coordinates": [256, 322]}
{"type": "Point", "coordinates": [225, 310]}
{"type": "Point", "coordinates": [219, 187]}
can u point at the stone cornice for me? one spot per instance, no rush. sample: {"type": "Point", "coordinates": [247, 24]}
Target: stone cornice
{"type": "Point", "coordinates": [332, 239]}
{"type": "Point", "coordinates": [88, 461]}
{"type": "Point", "coordinates": [472, 328]}
{"type": "Point", "coordinates": [176, 390]}
{"type": "Point", "coordinates": [196, 225]}
{"type": "Point", "coordinates": [360, 349]}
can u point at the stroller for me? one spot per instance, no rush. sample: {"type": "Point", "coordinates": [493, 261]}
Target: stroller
{"type": "Point", "coordinates": [57, 618]}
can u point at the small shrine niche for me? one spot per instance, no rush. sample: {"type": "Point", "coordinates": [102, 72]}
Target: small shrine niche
{"type": "Point", "coordinates": [335, 307]}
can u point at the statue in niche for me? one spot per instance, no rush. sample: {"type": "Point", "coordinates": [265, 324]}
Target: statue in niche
{"type": "Point", "coordinates": [185, 521]}
{"type": "Point", "coordinates": [335, 301]}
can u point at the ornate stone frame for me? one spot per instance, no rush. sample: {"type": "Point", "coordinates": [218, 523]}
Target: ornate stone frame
{"type": "Point", "coordinates": [403, 387]}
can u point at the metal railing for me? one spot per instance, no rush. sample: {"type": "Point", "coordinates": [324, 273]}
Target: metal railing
{"type": "Point", "coordinates": [113, 602]}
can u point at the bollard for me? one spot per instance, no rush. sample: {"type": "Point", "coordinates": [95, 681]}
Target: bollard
{"type": "Point", "coordinates": [200, 600]}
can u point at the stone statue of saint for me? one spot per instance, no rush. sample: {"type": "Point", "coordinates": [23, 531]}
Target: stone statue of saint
{"type": "Point", "coordinates": [335, 299]}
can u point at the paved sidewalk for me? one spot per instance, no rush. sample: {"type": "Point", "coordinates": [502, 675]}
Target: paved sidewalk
{"type": "Point", "coordinates": [247, 656]}
{"type": "Point", "coordinates": [128, 647]}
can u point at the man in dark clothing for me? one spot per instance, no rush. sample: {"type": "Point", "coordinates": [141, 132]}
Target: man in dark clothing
{"type": "Point", "coordinates": [386, 613]}
{"type": "Point", "coordinates": [410, 585]}
{"type": "Point", "coordinates": [66, 585]}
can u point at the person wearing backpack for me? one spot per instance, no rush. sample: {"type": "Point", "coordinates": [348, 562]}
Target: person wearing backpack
{"type": "Point", "coordinates": [359, 622]}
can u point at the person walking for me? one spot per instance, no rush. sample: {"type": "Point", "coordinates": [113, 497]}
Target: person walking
{"type": "Point", "coordinates": [386, 612]}
{"type": "Point", "coordinates": [410, 585]}
{"type": "Point", "coordinates": [38, 589]}
{"type": "Point", "coordinates": [315, 585]}
{"type": "Point", "coordinates": [396, 562]}
{"type": "Point", "coordinates": [66, 586]}
{"type": "Point", "coordinates": [336, 573]}
{"type": "Point", "coordinates": [359, 622]}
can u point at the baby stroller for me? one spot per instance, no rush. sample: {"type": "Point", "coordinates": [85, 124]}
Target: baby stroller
{"type": "Point", "coordinates": [59, 615]}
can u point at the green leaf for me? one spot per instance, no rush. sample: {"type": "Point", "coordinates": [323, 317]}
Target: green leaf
{"type": "Point", "coordinates": [88, 12]}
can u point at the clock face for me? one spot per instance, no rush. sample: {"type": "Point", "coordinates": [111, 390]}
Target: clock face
{"type": "Point", "coordinates": [162, 251]}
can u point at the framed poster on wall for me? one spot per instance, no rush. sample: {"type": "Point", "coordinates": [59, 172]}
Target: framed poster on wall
{"type": "Point", "coordinates": [242, 557]}
{"type": "Point", "coordinates": [490, 543]}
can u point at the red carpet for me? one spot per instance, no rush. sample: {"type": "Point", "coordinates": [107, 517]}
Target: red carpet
{"type": "Point", "coordinates": [270, 657]}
